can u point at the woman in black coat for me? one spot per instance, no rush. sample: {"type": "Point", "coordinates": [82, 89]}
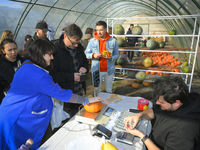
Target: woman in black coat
{"type": "Point", "coordinates": [10, 61]}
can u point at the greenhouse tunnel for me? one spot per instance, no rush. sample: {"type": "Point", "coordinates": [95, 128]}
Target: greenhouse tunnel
{"type": "Point", "coordinates": [21, 16]}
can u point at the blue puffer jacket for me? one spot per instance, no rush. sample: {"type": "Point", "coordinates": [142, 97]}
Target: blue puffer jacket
{"type": "Point", "coordinates": [26, 110]}
{"type": "Point", "coordinates": [111, 46]}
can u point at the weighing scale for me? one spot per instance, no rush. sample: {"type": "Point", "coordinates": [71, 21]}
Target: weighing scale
{"type": "Point", "coordinates": [101, 117]}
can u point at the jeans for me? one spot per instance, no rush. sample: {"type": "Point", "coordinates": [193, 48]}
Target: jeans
{"type": "Point", "coordinates": [108, 82]}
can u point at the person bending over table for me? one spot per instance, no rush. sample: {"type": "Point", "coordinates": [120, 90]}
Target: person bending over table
{"type": "Point", "coordinates": [175, 117]}
{"type": "Point", "coordinates": [26, 110]}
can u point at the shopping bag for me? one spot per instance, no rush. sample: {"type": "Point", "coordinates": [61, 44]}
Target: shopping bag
{"type": "Point", "coordinates": [58, 114]}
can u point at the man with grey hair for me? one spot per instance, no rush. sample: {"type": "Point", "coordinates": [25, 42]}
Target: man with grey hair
{"type": "Point", "coordinates": [69, 63]}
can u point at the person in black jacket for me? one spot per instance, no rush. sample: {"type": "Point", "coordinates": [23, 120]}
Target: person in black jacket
{"type": "Point", "coordinates": [131, 41]}
{"type": "Point", "coordinates": [41, 32]}
{"type": "Point", "coordinates": [69, 63]}
{"type": "Point", "coordinates": [175, 118]}
{"type": "Point", "coordinates": [10, 61]}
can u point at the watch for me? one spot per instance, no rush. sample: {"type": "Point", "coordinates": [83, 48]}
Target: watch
{"type": "Point", "coordinates": [144, 138]}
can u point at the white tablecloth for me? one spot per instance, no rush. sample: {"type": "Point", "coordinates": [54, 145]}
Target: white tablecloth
{"type": "Point", "coordinates": [73, 130]}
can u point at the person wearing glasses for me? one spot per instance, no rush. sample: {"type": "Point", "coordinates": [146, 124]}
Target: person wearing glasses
{"type": "Point", "coordinates": [41, 32]}
{"type": "Point", "coordinates": [69, 63]}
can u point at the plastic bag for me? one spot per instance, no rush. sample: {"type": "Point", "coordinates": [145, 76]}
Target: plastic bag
{"type": "Point", "coordinates": [58, 114]}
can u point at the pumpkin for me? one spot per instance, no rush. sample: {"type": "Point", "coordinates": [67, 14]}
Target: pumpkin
{"type": "Point", "coordinates": [146, 83]}
{"type": "Point", "coordinates": [93, 107]}
{"type": "Point", "coordinates": [140, 76]}
{"type": "Point", "coordinates": [90, 114]}
{"type": "Point", "coordinates": [147, 62]}
{"type": "Point", "coordinates": [121, 61]}
{"type": "Point", "coordinates": [121, 42]}
{"type": "Point", "coordinates": [118, 29]}
{"type": "Point", "coordinates": [129, 82]}
{"type": "Point", "coordinates": [151, 44]}
{"type": "Point", "coordinates": [135, 85]}
{"type": "Point", "coordinates": [137, 30]}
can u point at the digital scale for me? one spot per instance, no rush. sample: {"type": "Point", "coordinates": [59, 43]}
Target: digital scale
{"type": "Point", "coordinates": [101, 117]}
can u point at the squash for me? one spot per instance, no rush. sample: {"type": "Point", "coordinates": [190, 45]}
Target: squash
{"type": "Point", "coordinates": [135, 85]}
{"type": "Point", "coordinates": [146, 83]}
{"type": "Point", "coordinates": [108, 146]}
{"type": "Point", "coordinates": [93, 107]}
{"type": "Point", "coordinates": [90, 114]}
{"type": "Point", "coordinates": [129, 82]}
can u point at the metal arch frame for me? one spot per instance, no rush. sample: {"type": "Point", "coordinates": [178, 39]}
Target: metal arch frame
{"type": "Point", "coordinates": [194, 1]}
{"type": "Point", "coordinates": [19, 24]}
{"type": "Point", "coordinates": [180, 39]}
{"type": "Point", "coordinates": [84, 10]}
{"type": "Point", "coordinates": [65, 15]}
{"type": "Point", "coordinates": [116, 10]}
{"type": "Point", "coordinates": [89, 16]}
{"type": "Point", "coordinates": [50, 9]}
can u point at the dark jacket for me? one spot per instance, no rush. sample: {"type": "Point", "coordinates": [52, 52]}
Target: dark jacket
{"type": "Point", "coordinates": [131, 40]}
{"type": "Point", "coordinates": [33, 38]}
{"type": "Point", "coordinates": [63, 66]}
{"type": "Point", "coordinates": [7, 72]}
{"type": "Point", "coordinates": [180, 129]}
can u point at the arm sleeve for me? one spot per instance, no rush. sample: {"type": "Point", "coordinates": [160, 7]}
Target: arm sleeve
{"type": "Point", "coordinates": [85, 62]}
{"type": "Point", "coordinates": [48, 87]}
{"type": "Point", "coordinates": [88, 51]}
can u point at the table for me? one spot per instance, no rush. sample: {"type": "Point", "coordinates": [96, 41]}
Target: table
{"type": "Point", "coordinates": [73, 129]}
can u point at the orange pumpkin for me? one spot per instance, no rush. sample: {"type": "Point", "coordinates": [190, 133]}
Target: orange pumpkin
{"type": "Point", "coordinates": [135, 85]}
{"type": "Point", "coordinates": [90, 115]}
{"type": "Point", "coordinates": [129, 82]}
{"type": "Point", "coordinates": [146, 83]}
{"type": "Point", "coordinates": [93, 107]}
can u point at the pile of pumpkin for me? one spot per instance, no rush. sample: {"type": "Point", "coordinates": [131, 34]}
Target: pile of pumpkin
{"type": "Point", "coordinates": [162, 59]}
{"type": "Point", "coordinates": [136, 84]}
{"type": "Point", "coordinates": [140, 77]}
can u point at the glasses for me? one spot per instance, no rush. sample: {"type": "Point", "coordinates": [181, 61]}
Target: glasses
{"type": "Point", "coordinates": [73, 43]}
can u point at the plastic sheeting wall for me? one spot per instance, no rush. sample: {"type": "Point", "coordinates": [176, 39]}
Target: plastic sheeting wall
{"type": "Point", "coordinates": [21, 16]}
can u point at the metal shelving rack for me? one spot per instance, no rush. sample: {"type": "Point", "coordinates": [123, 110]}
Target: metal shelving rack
{"type": "Point", "coordinates": [192, 52]}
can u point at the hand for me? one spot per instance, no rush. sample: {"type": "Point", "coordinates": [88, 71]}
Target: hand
{"type": "Point", "coordinates": [109, 58]}
{"type": "Point", "coordinates": [128, 121]}
{"type": "Point", "coordinates": [77, 77]}
{"type": "Point", "coordinates": [97, 55]}
{"type": "Point", "coordinates": [82, 70]}
{"type": "Point", "coordinates": [135, 132]}
{"type": "Point", "coordinates": [94, 99]}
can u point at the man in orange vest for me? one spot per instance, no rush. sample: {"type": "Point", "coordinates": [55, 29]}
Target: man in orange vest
{"type": "Point", "coordinates": [103, 41]}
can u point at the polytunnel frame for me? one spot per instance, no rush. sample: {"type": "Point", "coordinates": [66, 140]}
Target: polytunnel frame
{"type": "Point", "coordinates": [175, 26]}
{"type": "Point", "coordinates": [19, 23]}
{"type": "Point", "coordinates": [147, 5]}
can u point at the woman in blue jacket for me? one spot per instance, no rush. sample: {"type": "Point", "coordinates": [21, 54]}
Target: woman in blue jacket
{"type": "Point", "coordinates": [26, 110]}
